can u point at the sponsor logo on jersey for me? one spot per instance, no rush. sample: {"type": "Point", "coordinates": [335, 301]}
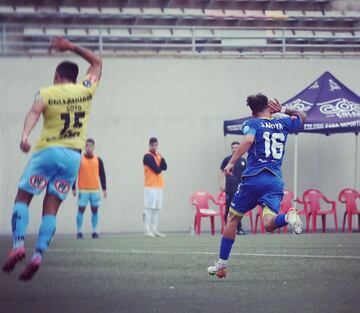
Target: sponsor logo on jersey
{"type": "Point", "coordinates": [38, 182]}
{"type": "Point", "coordinates": [87, 83]}
{"type": "Point", "coordinates": [62, 186]}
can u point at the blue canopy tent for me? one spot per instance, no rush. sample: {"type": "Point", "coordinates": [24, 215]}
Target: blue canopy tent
{"type": "Point", "coordinates": [331, 108]}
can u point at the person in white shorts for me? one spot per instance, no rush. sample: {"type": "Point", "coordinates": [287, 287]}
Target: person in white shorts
{"type": "Point", "coordinates": [154, 164]}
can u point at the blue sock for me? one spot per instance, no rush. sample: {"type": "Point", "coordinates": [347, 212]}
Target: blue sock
{"type": "Point", "coordinates": [46, 232]}
{"type": "Point", "coordinates": [19, 222]}
{"type": "Point", "coordinates": [225, 247]}
{"type": "Point", "coordinates": [280, 220]}
{"type": "Point", "coordinates": [79, 221]}
{"type": "Point", "coordinates": [94, 221]}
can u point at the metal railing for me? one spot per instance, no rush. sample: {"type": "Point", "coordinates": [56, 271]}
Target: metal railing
{"type": "Point", "coordinates": [20, 39]}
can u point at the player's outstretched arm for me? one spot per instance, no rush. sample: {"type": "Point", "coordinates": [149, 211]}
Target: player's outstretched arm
{"type": "Point", "coordinates": [61, 44]}
{"type": "Point", "coordinates": [30, 121]}
{"type": "Point", "coordinates": [243, 148]}
{"type": "Point", "coordinates": [276, 107]}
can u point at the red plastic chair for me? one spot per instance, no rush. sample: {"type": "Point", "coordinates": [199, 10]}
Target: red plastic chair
{"type": "Point", "coordinates": [311, 199]}
{"type": "Point", "coordinates": [287, 203]}
{"type": "Point", "coordinates": [200, 200]}
{"type": "Point", "coordinates": [258, 218]}
{"type": "Point", "coordinates": [348, 197]}
{"type": "Point", "coordinates": [221, 199]}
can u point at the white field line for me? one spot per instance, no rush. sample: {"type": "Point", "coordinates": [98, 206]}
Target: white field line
{"type": "Point", "coordinates": [265, 255]}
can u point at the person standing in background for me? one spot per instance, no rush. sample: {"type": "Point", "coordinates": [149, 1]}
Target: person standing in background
{"type": "Point", "coordinates": [230, 184]}
{"type": "Point", "coordinates": [91, 174]}
{"type": "Point", "coordinates": [154, 164]}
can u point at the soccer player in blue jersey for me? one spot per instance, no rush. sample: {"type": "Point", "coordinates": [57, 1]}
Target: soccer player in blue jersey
{"type": "Point", "coordinates": [262, 183]}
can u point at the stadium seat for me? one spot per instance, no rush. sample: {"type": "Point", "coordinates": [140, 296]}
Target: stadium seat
{"type": "Point", "coordinates": [312, 201]}
{"type": "Point", "coordinates": [304, 212]}
{"type": "Point", "coordinates": [200, 200]}
{"type": "Point", "coordinates": [258, 218]}
{"type": "Point", "coordinates": [287, 203]}
{"type": "Point", "coordinates": [221, 199]}
{"type": "Point", "coordinates": [348, 197]}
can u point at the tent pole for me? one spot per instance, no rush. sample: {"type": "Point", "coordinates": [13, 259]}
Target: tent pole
{"type": "Point", "coordinates": [356, 160]}
{"type": "Point", "coordinates": [295, 167]}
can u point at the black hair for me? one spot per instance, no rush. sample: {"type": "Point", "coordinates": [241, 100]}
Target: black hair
{"type": "Point", "coordinates": [152, 140]}
{"type": "Point", "coordinates": [68, 70]}
{"type": "Point", "coordinates": [257, 103]}
{"type": "Point", "coordinates": [90, 140]}
{"type": "Point", "coordinates": [235, 143]}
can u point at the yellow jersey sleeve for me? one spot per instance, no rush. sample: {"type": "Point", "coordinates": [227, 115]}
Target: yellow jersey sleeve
{"type": "Point", "coordinates": [91, 82]}
{"type": "Point", "coordinates": [67, 109]}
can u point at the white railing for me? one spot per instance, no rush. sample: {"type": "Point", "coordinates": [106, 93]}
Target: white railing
{"type": "Point", "coordinates": [106, 39]}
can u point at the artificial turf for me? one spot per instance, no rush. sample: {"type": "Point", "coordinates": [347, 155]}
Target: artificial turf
{"type": "Point", "coordinates": [130, 273]}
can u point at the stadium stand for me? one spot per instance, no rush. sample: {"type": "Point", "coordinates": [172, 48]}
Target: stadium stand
{"type": "Point", "coordinates": [197, 27]}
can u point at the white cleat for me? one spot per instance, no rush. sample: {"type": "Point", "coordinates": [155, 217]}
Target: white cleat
{"type": "Point", "coordinates": [218, 269]}
{"type": "Point", "coordinates": [158, 234]}
{"type": "Point", "coordinates": [148, 233]}
{"type": "Point", "coordinates": [293, 218]}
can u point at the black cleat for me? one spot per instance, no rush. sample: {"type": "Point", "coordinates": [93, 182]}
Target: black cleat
{"type": "Point", "coordinates": [79, 236]}
{"type": "Point", "coordinates": [95, 235]}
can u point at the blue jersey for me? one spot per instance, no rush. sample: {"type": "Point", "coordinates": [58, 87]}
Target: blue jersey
{"type": "Point", "coordinates": [268, 149]}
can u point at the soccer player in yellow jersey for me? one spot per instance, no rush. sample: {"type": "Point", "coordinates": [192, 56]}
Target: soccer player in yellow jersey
{"type": "Point", "coordinates": [53, 167]}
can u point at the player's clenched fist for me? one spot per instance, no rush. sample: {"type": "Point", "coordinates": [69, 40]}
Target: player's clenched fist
{"type": "Point", "coordinates": [228, 169]}
{"type": "Point", "coordinates": [61, 44]}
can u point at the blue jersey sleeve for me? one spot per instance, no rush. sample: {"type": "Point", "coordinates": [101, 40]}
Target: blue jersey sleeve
{"type": "Point", "coordinates": [291, 124]}
{"type": "Point", "coordinates": [249, 128]}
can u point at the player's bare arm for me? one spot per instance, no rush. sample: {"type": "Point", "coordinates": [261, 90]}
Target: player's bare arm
{"type": "Point", "coordinates": [31, 119]}
{"type": "Point", "coordinates": [276, 107]}
{"type": "Point", "coordinates": [243, 148]}
{"type": "Point", "coordinates": [95, 60]}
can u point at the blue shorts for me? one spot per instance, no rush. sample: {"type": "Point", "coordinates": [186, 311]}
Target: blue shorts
{"type": "Point", "coordinates": [54, 169]}
{"type": "Point", "coordinates": [92, 197]}
{"type": "Point", "coordinates": [265, 189]}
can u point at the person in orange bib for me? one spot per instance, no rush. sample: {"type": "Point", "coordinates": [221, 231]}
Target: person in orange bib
{"type": "Point", "coordinates": [154, 164]}
{"type": "Point", "coordinates": [91, 175]}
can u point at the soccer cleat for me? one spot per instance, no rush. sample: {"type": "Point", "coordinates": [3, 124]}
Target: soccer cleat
{"type": "Point", "coordinates": [241, 232]}
{"type": "Point", "coordinates": [15, 256]}
{"type": "Point", "coordinates": [79, 236]}
{"type": "Point", "coordinates": [158, 234]}
{"type": "Point", "coordinates": [148, 233]}
{"type": "Point", "coordinates": [293, 218]}
{"type": "Point", "coordinates": [218, 269]}
{"type": "Point", "coordinates": [95, 235]}
{"type": "Point", "coordinates": [31, 268]}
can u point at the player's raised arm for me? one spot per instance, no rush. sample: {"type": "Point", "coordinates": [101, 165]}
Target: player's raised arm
{"type": "Point", "coordinates": [95, 60]}
{"type": "Point", "coordinates": [276, 107]}
{"type": "Point", "coordinates": [30, 121]}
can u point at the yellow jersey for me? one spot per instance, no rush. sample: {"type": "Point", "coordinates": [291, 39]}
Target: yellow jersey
{"type": "Point", "coordinates": [67, 109]}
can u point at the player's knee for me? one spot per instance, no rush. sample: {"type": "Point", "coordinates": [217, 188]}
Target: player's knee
{"type": "Point", "coordinates": [23, 196]}
{"type": "Point", "coordinates": [94, 210]}
{"type": "Point", "coordinates": [268, 223]}
{"type": "Point", "coordinates": [81, 210]}
{"type": "Point", "coordinates": [268, 227]}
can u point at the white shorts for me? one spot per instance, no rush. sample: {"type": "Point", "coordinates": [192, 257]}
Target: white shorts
{"type": "Point", "coordinates": [153, 198]}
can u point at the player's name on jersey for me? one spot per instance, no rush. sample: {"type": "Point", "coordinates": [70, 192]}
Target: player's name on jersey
{"type": "Point", "coordinates": [69, 100]}
{"type": "Point", "coordinates": [277, 126]}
